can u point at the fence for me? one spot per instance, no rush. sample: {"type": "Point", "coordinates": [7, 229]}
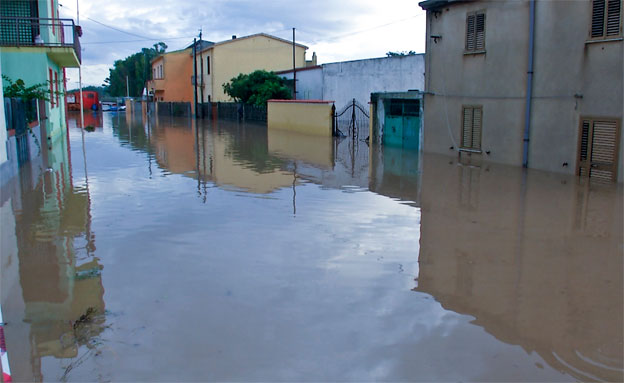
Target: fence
{"type": "Point", "coordinates": [175, 109]}
{"type": "Point", "coordinates": [244, 112]}
{"type": "Point", "coordinates": [18, 113]}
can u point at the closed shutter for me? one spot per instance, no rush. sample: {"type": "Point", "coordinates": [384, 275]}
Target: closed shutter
{"type": "Point", "coordinates": [476, 128]}
{"type": "Point", "coordinates": [606, 18]}
{"type": "Point", "coordinates": [603, 142]}
{"type": "Point", "coordinates": [598, 14]}
{"type": "Point", "coordinates": [472, 121]}
{"type": "Point", "coordinates": [470, 32]}
{"type": "Point", "coordinates": [480, 32]}
{"type": "Point", "coordinates": [18, 29]}
{"type": "Point", "coordinates": [467, 128]}
{"type": "Point", "coordinates": [598, 148]}
{"type": "Point", "coordinates": [613, 17]}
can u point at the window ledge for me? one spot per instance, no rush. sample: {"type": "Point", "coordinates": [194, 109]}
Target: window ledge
{"type": "Point", "coordinates": [469, 150]}
{"type": "Point", "coordinates": [611, 39]}
{"type": "Point", "coordinates": [474, 52]}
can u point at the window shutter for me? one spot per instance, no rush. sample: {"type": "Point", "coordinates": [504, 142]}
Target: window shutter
{"type": "Point", "coordinates": [466, 128]}
{"type": "Point", "coordinates": [470, 32]}
{"type": "Point", "coordinates": [480, 32]}
{"type": "Point", "coordinates": [584, 140]}
{"type": "Point", "coordinates": [604, 142]}
{"type": "Point", "coordinates": [613, 17]}
{"type": "Point", "coordinates": [598, 14]}
{"type": "Point", "coordinates": [476, 128]}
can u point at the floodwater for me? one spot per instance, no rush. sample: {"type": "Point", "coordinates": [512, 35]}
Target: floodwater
{"type": "Point", "coordinates": [170, 252]}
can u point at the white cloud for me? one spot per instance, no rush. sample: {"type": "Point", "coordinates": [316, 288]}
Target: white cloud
{"type": "Point", "coordinates": [336, 31]}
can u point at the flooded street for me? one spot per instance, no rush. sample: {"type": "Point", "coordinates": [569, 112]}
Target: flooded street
{"type": "Point", "coordinates": [175, 252]}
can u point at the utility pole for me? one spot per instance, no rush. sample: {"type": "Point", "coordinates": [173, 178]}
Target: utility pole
{"type": "Point", "coordinates": [294, 69]}
{"type": "Point", "coordinates": [195, 77]}
{"type": "Point", "coordinates": [201, 72]}
{"type": "Point", "coordinates": [127, 88]}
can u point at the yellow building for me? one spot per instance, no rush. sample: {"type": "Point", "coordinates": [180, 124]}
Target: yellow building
{"type": "Point", "coordinates": [220, 62]}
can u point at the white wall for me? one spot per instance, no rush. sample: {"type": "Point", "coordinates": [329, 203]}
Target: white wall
{"type": "Point", "coordinates": [309, 83]}
{"type": "Point", "coordinates": [344, 81]}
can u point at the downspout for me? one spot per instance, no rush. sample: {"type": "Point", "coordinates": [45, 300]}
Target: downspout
{"type": "Point", "coordinates": [529, 93]}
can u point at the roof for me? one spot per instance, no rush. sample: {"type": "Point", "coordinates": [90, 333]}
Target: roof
{"type": "Point", "coordinates": [251, 36]}
{"type": "Point", "coordinates": [432, 5]}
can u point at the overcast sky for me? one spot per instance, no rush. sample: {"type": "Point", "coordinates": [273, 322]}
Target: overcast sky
{"type": "Point", "coordinates": [336, 30]}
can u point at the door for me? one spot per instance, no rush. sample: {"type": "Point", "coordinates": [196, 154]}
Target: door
{"type": "Point", "coordinates": [402, 123]}
{"type": "Point", "coordinates": [599, 148]}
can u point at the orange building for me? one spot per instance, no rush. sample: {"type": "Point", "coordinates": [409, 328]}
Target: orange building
{"type": "Point", "coordinates": [172, 75]}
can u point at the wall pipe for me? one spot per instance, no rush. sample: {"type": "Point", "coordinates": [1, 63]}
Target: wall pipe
{"type": "Point", "coordinates": [529, 93]}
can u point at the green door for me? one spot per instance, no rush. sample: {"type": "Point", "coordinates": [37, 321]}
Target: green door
{"type": "Point", "coordinates": [402, 123]}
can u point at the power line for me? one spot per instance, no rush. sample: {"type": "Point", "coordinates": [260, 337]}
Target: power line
{"type": "Point", "coordinates": [134, 41]}
{"type": "Point", "coordinates": [335, 37]}
{"type": "Point", "coordinates": [146, 38]}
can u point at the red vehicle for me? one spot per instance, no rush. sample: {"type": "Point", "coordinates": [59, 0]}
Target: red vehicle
{"type": "Point", "coordinates": [90, 100]}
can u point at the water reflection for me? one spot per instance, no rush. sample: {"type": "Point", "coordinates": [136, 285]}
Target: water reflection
{"type": "Point", "coordinates": [50, 276]}
{"type": "Point", "coordinates": [305, 258]}
{"type": "Point", "coordinates": [536, 259]}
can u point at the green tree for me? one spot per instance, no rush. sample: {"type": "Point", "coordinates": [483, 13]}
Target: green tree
{"type": "Point", "coordinates": [257, 88]}
{"type": "Point", "coordinates": [19, 90]}
{"type": "Point", "coordinates": [137, 68]}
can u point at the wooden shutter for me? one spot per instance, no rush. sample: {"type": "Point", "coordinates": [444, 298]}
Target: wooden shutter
{"type": "Point", "coordinates": [480, 32]}
{"type": "Point", "coordinates": [598, 148]}
{"type": "Point", "coordinates": [467, 128]}
{"type": "Point", "coordinates": [476, 128]}
{"type": "Point", "coordinates": [604, 142]}
{"type": "Point", "coordinates": [598, 16]}
{"type": "Point", "coordinates": [470, 32]}
{"type": "Point", "coordinates": [614, 10]}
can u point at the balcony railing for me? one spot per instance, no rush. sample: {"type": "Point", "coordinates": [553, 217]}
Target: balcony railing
{"type": "Point", "coordinates": [40, 32]}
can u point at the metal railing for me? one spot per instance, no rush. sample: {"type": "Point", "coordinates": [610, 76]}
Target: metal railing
{"type": "Point", "coordinates": [44, 32]}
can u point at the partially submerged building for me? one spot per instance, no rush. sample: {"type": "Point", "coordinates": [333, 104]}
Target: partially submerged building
{"type": "Point", "coordinates": [508, 81]}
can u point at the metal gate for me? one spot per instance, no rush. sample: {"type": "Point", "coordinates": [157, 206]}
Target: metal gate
{"type": "Point", "coordinates": [352, 121]}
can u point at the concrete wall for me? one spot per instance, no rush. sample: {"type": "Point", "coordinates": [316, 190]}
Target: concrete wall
{"type": "Point", "coordinates": [565, 65]}
{"type": "Point", "coordinates": [314, 118]}
{"type": "Point", "coordinates": [247, 54]}
{"type": "Point", "coordinates": [309, 82]}
{"type": "Point", "coordinates": [344, 81]}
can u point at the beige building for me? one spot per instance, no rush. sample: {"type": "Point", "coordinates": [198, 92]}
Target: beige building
{"type": "Point", "coordinates": [220, 62]}
{"type": "Point", "coordinates": [481, 83]}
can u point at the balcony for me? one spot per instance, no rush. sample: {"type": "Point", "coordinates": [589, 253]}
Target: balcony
{"type": "Point", "coordinates": [59, 38]}
{"type": "Point", "coordinates": [156, 84]}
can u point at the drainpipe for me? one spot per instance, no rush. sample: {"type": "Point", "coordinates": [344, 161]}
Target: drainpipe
{"type": "Point", "coordinates": [529, 93]}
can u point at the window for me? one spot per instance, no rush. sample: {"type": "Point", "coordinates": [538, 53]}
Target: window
{"type": "Point", "coordinates": [207, 64]}
{"type": "Point", "coordinates": [56, 86]}
{"type": "Point", "coordinates": [51, 88]}
{"type": "Point", "coordinates": [160, 70]}
{"type": "Point", "coordinates": [598, 148]}
{"type": "Point", "coordinates": [475, 32]}
{"type": "Point", "coordinates": [606, 19]}
{"type": "Point", "coordinates": [472, 122]}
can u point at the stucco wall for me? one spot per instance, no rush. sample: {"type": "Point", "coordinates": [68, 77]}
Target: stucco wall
{"type": "Point", "coordinates": [344, 81]}
{"type": "Point", "coordinates": [246, 55]}
{"type": "Point", "coordinates": [302, 117]}
{"type": "Point", "coordinates": [3, 132]}
{"type": "Point", "coordinates": [565, 65]}
{"type": "Point", "coordinates": [32, 65]}
{"type": "Point", "coordinates": [177, 72]}
{"type": "Point", "coordinates": [309, 83]}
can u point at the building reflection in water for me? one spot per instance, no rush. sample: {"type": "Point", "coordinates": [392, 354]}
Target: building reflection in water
{"type": "Point", "coordinates": [535, 258]}
{"type": "Point", "coordinates": [50, 276]}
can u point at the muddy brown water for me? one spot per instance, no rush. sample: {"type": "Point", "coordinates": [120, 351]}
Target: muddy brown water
{"type": "Point", "coordinates": [225, 252]}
